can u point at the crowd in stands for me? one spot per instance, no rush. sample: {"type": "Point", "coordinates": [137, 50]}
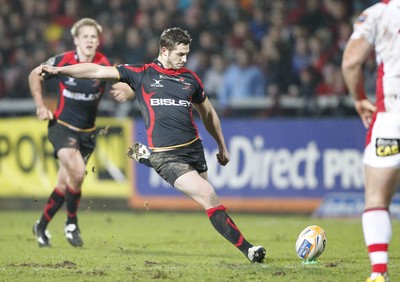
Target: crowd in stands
{"type": "Point", "coordinates": [241, 48]}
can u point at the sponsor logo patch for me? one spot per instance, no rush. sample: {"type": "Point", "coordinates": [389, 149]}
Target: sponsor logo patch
{"type": "Point", "coordinates": [157, 83]}
{"type": "Point", "coordinates": [387, 147]}
{"type": "Point", "coordinates": [72, 141]}
{"type": "Point", "coordinates": [70, 81]}
{"type": "Point", "coordinates": [169, 102]}
{"type": "Point", "coordinates": [304, 249]}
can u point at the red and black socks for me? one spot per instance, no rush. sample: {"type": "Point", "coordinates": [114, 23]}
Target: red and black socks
{"type": "Point", "coordinates": [54, 203]}
{"type": "Point", "coordinates": [227, 228]}
{"type": "Point", "coordinates": [72, 198]}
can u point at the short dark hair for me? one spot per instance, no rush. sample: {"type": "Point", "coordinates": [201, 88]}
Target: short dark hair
{"type": "Point", "coordinates": [174, 36]}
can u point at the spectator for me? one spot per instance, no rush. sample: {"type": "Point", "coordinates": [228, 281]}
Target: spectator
{"type": "Point", "coordinates": [319, 52]}
{"type": "Point", "coordinates": [258, 24]}
{"type": "Point", "coordinates": [218, 23]}
{"type": "Point", "coordinates": [332, 83]}
{"type": "Point", "coordinates": [313, 16]}
{"type": "Point", "coordinates": [275, 59]}
{"type": "Point", "coordinates": [330, 91]}
{"type": "Point", "coordinates": [301, 58]}
{"type": "Point", "coordinates": [242, 79]}
{"type": "Point", "coordinates": [240, 35]}
{"type": "Point", "coordinates": [213, 75]}
{"type": "Point", "coordinates": [136, 48]}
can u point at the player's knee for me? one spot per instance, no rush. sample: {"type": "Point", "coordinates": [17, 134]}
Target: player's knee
{"type": "Point", "coordinates": [209, 194]}
{"type": "Point", "coordinates": [76, 176]}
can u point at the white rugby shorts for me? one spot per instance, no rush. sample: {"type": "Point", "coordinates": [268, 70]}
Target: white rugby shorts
{"type": "Point", "coordinates": [384, 147]}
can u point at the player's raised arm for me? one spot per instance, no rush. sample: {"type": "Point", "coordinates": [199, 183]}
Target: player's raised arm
{"type": "Point", "coordinates": [84, 70]}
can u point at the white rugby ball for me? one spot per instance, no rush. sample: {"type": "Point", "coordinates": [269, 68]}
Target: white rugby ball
{"type": "Point", "coordinates": [311, 243]}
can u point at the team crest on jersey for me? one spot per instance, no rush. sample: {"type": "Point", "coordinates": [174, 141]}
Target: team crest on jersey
{"type": "Point", "coordinates": [70, 81]}
{"type": "Point", "coordinates": [157, 83]}
{"type": "Point", "coordinates": [387, 147]}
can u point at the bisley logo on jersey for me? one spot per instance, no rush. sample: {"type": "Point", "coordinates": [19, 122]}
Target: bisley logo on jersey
{"type": "Point", "coordinates": [169, 102]}
{"type": "Point", "coordinates": [81, 96]}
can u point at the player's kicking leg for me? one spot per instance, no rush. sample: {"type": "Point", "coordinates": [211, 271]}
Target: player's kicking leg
{"type": "Point", "coordinates": [201, 191]}
{"type": "Point", "coordinates": [225, 226]}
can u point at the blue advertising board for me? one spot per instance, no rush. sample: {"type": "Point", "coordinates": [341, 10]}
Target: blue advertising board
{"type": "Point", "coordinates": [275, 159]}
{"type": "Point", "coordinates": [350, 205]}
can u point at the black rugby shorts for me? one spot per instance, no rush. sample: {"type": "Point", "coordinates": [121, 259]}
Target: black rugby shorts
{"type": "Point", "coordinates": [61, 136]}
{"type": "Point", "coordinates": [172, 164]}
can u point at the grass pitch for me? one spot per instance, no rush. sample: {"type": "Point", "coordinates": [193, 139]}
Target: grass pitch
{"type": "Point", "coordinates": [171, 246]}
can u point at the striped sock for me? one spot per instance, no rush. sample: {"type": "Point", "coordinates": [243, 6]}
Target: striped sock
{"type": "Point", "coordinates": [72, 198]}
{"type": "Point", "coordinates": [54, 203]}
{"type": "Point", "coordinates": [377, 231]}
{"type": "Point", "coordinates": [227, 228]}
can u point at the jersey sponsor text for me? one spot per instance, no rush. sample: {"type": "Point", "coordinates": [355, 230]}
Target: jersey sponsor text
{"type": "Point", "coordinates": [81, 96]}
{"type": "Point", "coordinates": [169, 102]}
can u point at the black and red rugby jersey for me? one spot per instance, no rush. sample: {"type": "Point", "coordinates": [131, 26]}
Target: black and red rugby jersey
{"type": "Point", "coordinates": [165, 97]}
{"type": "Point", "coordinates": [78, 98]}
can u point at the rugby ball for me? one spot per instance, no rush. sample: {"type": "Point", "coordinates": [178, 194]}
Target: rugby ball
{"type": "Point", "coordinates": [311, 243]}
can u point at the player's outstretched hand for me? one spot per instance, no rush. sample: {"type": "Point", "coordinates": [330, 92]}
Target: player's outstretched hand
{"type": "Point", "coordinates": [122, 92]}
{"type": "Point", "coordinates": [43, 69]}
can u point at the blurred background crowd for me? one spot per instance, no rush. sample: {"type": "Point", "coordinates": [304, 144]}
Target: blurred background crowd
{"type": "Point", "coordinates": [258, 57]}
